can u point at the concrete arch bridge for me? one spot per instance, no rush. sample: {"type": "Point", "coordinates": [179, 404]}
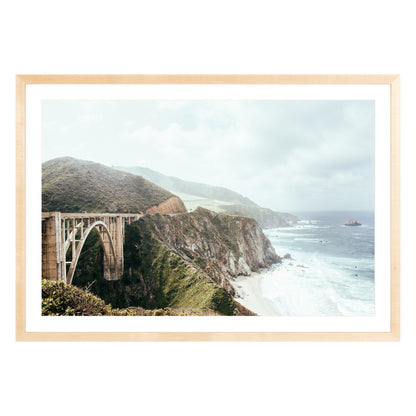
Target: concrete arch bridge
{"type": "Point", "coordinates": [62, 231]}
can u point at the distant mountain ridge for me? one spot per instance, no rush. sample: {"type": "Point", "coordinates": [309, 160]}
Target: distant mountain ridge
{"type": "Point", "coordinates": [215, 198]}
{"type": "Point", "coordinates": [175, 184]}
{"type": "Point", "coordinates": [266, 218]}
{"type": "Point", "coordinates": [73, 185]}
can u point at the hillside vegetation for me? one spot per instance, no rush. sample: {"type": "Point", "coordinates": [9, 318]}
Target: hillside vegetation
{"type": "Point", "coordinates": [59, 299]}
{"type": "Point", "coordinates": [180, 261]}
{"type": "Point", "coordinates": [72, 185]}
{"type": "Point", "coordinates": [155, 277]}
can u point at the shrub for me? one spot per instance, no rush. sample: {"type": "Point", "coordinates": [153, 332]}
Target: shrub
{"type": "Point", "coordinates": [59, 299]}
{"type": "Point", "coordinates": [67, 300]}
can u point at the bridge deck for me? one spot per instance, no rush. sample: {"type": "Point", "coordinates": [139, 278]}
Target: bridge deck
{"type": "Point", "coordinates": [90, 215]}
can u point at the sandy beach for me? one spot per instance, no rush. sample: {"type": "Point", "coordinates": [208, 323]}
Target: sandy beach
{"type": "Point", "coordinates": [249, 295]}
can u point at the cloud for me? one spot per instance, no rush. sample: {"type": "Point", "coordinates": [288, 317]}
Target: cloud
{"type": "Point", "coordinates": [288, 155]}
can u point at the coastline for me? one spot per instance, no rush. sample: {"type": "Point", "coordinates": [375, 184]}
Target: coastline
{"type": "Point", "coordinates": [248, 290]}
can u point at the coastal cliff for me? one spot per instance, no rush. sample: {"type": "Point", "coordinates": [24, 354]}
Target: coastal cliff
{"type": "Point", "coordinates": [185, 260]}
{"type": "Point", "coordinates": [220, 246]}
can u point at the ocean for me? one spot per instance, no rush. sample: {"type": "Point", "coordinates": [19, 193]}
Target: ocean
{"type": "Point", "coordinates": [330, 271]}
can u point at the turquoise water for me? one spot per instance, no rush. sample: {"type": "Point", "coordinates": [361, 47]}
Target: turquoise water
{"type": "Point", "coordinates": [331, 269]}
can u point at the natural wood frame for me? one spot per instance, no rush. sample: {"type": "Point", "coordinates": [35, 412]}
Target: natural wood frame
{"type": "Point", "coordinates": [392, 80]}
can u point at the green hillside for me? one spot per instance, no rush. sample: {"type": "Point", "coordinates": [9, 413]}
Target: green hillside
{"type": "Point", "coordinates": [72, 185]}
{"type": "Point", "coordinates": [179, 262]}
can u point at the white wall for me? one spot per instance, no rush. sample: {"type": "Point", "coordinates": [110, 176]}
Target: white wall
{"type": "Point", "coordinates": [208, 37]}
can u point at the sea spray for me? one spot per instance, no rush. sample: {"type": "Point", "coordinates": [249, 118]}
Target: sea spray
{"type": "Point", "coordinates": [330, 271]}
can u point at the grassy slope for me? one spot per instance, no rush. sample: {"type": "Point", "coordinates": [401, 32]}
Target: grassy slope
{"type": "Point", "coordinates": [155, 277]}
{"type": "Point", "coordinates": [59, 299]}
{"type": "Point", "coordinates": [71, 185]}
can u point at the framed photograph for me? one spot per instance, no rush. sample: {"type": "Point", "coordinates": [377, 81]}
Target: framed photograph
{"type": "Point", "coordinates": [207, 208]}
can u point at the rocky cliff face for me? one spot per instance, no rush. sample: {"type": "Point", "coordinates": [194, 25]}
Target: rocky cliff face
{"type": "Point", "coordinates": [181, 261]}
{"type": "Point", "coordinates": [173, 205]}
{"type": "Point", "coordinates": [220, 246]}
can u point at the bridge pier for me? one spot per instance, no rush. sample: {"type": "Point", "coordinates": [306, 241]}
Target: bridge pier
{"type": "Point", "coordinates": [114, 263]}
{"type": "Point", "coordinates": [53, 264]}
{"type": "Point", "coordinates": [60, 231]}
{"type": "Point", "coordinates": [110, 272]}
{"type": "Point", "coordinates": [119, 246]}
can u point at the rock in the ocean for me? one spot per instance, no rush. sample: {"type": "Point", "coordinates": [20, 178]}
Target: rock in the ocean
{"type": "Point", "coordinates": [352, 222]}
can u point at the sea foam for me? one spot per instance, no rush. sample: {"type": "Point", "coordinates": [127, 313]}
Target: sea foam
{"type": "Point", "coordinates": [328, 274]}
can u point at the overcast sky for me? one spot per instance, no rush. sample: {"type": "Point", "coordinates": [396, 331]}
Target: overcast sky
{"type": "Point", "coordinates": [284, 155]}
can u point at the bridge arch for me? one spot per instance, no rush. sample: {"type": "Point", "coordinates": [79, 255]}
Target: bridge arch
{"type": "Point", "coordinates": [60, 231]}
{"type": "Point", "coordinates": [107, 244]}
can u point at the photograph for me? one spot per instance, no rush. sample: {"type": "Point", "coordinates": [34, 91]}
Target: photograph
{"type": "Point", "coordinates": [208, 207]}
